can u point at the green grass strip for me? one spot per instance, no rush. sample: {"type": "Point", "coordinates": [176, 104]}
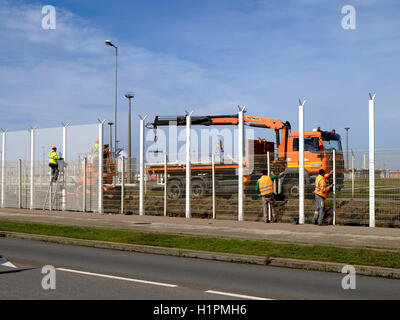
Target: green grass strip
{"type": "Point", "coordinates": [389, 259]}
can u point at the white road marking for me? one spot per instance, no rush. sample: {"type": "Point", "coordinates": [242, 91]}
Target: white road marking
{"type": "Point", "coordinates": [118, 278]}
{"type": "Point", "coordinates": [4, 262]}
{"type": "Point", "coordinates": [236, 295]}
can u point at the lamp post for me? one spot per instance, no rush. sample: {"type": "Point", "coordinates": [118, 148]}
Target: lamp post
{"type": "Point", "coordinates": [129, 96]}
{"type": "Point", "coordinates": [347, 148]}
{"type": "Point", "coordinates": [110, 123]}
{"type": "Point", "coordinates": [109, 43]}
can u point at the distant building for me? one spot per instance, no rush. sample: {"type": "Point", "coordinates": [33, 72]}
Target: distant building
{"type": "Point", "coordinates": [394, 175]}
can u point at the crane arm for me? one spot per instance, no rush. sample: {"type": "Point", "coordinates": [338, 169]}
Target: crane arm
{"type": "Point", "coordinates": [222, 120]}
{"type": "Point", "coordinates": [251, 121]}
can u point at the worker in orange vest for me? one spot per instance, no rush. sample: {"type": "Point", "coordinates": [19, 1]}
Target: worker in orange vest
{"type": "Point", "coordinates": [321, 193]}
{"type": "Point", "coordinates": [266, 187]}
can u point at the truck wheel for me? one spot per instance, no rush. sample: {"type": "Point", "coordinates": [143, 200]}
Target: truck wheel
{"type": "Point", "coordinates": [291, 190]}
{"type": "Point", "coordinates": [198, 189]}
{"type": "Point", "coordinates": [174, 189]}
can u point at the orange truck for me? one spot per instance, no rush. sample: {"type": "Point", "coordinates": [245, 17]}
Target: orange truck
{"type": "Point", "coordinates": [284, 159]}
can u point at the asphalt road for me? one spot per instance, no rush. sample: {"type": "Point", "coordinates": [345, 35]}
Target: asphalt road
{"type": "Point", "coordinates": [107, 274]}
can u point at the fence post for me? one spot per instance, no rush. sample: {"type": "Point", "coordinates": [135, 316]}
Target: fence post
{"type": "Point", "coordinates": [101, 165]}
{"type": "Point", "coordinates": [301, 161]}
{"type": "Point", "coordinates": [372, 160]}
{"type": "Point", "coordinates": [50, 191]}
{"type": "Point", "coordinates": [352, 174]}
{"type": "Point", "coordinates": [3, 168]}
{"type": "Point", "coordinates": [334, 187]}
{"type": "Point", "coordinates": [123, 185]}
{"type": "Point", "coordinates": [365, 161]}
{"type": "Point", "coordinates": [165, 183]}
{"type": "Point", "coordinates": [19, 183]}
{"type": "Point", "coordinates": [240, 162]}
{"type": "Point", "coordinates": [269, 173]}
{"type": "Point", "coordinates": [188, 164]}
{"type": "Point", "coordinates": [32, 169]}
{"type": "Point", "coordinates": [145, 180]}
{"type": "Point", "coordinates": [213, 184]}
{"type": "Point", "coordinates": [84, 185]}
{"type": "Point", "coordinates": [142, 172]}
{"type": "Point", "coordinates": [64, 191]}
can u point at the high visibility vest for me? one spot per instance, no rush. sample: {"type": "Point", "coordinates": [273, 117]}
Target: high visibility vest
{"type": "Point", "coordinates": [320, 186]}
{"type": "Point", "coordinates": [95, 150]}
{"type": "Point", "coordinates": [266, 185]}
{"type": "Point", "coordinates": [53, 157]}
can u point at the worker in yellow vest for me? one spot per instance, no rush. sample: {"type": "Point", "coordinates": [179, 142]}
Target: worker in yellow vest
{"type": "Point", "coordinates": [265, 185]}
{"type": "Point", "coordinates": [321, 193]}
{"type": "Point", "coordinates": [96, 150]}
{"type": "Point", "coordinates": [53, 163]}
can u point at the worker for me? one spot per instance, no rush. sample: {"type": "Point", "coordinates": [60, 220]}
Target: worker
{"type": "Point", "coordinates": [96, 150]}
{"type": "Point", "coordinates": [265, 185]}
{"type": "Point", "coordinates": [321, 193]}
{"type": "Point", "coordinates": [53, 163]}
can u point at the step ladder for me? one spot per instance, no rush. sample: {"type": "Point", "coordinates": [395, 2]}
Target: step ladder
{"type": "Point", "coordinates": [52, 193]}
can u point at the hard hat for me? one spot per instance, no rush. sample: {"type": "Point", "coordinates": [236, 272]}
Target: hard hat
{"type": "Point", "coordinates": [53, 147]}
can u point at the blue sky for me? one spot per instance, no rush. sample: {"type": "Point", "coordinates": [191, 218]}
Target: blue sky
{"type": "Point", "coordinates": [207, 56]}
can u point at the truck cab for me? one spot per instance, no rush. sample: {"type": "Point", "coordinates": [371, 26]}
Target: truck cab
{"type": "Point", "coordinates": [318, 154]}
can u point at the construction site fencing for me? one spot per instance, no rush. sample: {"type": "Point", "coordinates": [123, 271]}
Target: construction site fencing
{"type": "Point", "coordinates": [26, 175]}
{"type": "Point", "coordinates": [348, 200]}
{"type": "Point", "coordinates": [25, 181]}
{"type": "Point", "coordinates": [214, 187]}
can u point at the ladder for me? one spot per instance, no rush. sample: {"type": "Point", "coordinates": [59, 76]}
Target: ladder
{"type": "Point", "coordinates": [51, 194]}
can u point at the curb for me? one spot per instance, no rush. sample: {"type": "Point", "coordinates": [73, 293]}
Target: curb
{"type": "Point", "coordinates": [207, 255]}
{"type": "Point", "coordinates": [309, 265]}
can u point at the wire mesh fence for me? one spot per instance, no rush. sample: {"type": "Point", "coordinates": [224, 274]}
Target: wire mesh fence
{"type": "Point", "coordinates": [213, 181]}
{"type": "Point", "coordinates": [353, 198]}
{"type": "Point", "coordinates": [26, 175]}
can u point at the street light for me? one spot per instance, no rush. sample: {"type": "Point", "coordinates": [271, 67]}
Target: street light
{"type": "Point", "coordinates": [110, 123]}
{"type": "Point", "coordinates": [129, 96]}
{"type": "Point", "coordinates": [347, 148]}
{"type": "Point", "coordinates": [109, 43]}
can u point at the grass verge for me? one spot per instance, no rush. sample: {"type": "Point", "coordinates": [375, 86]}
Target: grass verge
{"type": "Point", "coordinates": [370, 257]}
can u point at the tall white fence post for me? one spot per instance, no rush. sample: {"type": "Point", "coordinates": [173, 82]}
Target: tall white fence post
{"type": "Point", "coordinates": [101, 165]}
{"type": "Point", "coordinates": [123, 186]}
{"type": "Point", "coordinates": [84, 184]}
{"type": "Point", "coordinates": [142, 171]}
{"type": "Point", "coordinates": [334, 187]}
{"type": "Point", "coordinates": [372, 160]}
{"type": "Point", "coordinates": [213, 184]}
{"type": "Point", "coordinates": [301, 161]}
{"type": "Point", "coordinates": [19, 183]}
{"type": "Point", "coordinates": [188, 211]}
{"type": "Point", "coordinates": [64, 154]}
{"type": "Point", "coordinates": [32, 169]}
{"type": "Point", "coordinates": [3, 168]}
{"type": "Point", "coordinates": [165, 183]}
{"type": "Point", "coordinates": [240, 162]}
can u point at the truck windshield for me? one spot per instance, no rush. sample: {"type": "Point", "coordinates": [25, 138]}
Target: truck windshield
{"type": "Point", "coordinates": [330, 145]}
{"type": "Point", "coordinates": [310, 144]}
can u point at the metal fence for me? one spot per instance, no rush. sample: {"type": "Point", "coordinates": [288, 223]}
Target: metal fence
{"type": "Point", "coordinates": [214, 188]}
{"type": "Point", "coordinates": [26, 176]}
{"type": "Point", "coordinates": [210, 189]}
